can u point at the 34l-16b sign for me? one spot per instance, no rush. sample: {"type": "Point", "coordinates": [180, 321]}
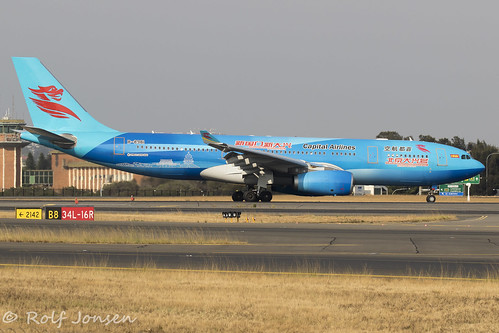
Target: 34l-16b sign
{"type": "Point", "coordinates": [70, 213]}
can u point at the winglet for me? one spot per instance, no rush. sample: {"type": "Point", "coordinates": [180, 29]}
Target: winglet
{"type": "Point", "coordinates": [210, 140]}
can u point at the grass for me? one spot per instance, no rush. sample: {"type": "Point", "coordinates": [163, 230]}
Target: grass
{"type": "Point", "coordinates": [194, 301]}
{"type": "Point", "coordinates": [261, 218]}
{"type": "Point", "coordinates": [113, 235]}
{"type": "Point", "coordinates": [154, 300]}
{"type": "Point", "coordinates": [272, 218]}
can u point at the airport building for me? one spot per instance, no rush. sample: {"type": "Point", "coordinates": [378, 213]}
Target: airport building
{"type": "Point", "coordinates": [10, 155]}
{"type": "Point", "coordinates": [67, 171]}
{"type": "Point", "coordinates": [70, 171]}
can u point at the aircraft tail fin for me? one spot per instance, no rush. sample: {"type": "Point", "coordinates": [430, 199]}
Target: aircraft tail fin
{"type": "Point", "coordinates": [50, 105]}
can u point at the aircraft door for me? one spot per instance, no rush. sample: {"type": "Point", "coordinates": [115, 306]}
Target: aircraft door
{"type": "Point", "coordinates": [119, 146]}
{"type": "Point", "coordinates": [441, 157]}
{"type": "Point", "coordinates": [372, 155]}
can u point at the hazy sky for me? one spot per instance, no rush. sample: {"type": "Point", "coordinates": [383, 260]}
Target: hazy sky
{"type": "Point", "coordinates": [291, 68]}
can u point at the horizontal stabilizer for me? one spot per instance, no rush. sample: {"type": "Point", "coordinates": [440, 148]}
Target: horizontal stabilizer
{"type": "Point", "coordinates": [65, 141]}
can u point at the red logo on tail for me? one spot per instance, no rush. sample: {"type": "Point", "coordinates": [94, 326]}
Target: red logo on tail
{"type": "Point", "coordinates": [44, 103]}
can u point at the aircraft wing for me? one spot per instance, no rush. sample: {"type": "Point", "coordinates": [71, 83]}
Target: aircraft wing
{"type": "Point", "coordinates": [254, 160]}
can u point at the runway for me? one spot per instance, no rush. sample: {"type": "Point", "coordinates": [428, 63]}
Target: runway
{"type": "Point", "coordinates": [324, 208]}
{"type": "Point", "coordinates": [468, 246]}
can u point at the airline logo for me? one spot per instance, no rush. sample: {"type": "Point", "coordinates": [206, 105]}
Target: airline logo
{"type": "Point", "coordinates": [45, 102]}
{"type": "Point", "coordinates": [407, 162]}
{"type": "Point", "coordinates": [422, 148]}
{"type": "Point", "coordinates": [264, 144]}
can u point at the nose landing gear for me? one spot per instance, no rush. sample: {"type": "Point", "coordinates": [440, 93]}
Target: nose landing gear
{"type": "Point", "coordinates": [430, 198]}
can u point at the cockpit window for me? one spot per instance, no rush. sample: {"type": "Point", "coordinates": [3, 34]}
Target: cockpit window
{"type": "Point", "coordinates": [465, 157]}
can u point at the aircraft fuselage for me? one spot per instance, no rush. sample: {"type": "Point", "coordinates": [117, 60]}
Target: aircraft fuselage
{"type": "Point", "coordinates": [372, 162]}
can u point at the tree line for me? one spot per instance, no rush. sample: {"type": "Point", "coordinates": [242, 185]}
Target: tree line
{"type": "Point", "coordinates": [42, 163]}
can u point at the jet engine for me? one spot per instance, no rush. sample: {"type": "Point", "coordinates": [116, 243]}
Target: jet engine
{"type": "Point", "coordinates": [326, 182]}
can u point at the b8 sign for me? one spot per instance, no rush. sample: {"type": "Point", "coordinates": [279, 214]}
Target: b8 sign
{"type": "Point", "coordinates": [70, 213]}
{"type": "Point", "coordinates": [53, 213]}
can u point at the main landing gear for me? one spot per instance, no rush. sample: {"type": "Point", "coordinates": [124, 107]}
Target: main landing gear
{"type": "Point", "coordinates": [252, 196]}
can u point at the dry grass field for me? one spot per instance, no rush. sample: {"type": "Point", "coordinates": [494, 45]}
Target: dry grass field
{"type": "Point", "coordinates": [38, 299]}
{"type": "Point", "coordinates": [113, 235]}
{"type": "Point", "coordinates": [271, 218]}
{"type": "Point", "coordinates": [260, 218]}
{"type": "Point", "coordinates": [145, 299]}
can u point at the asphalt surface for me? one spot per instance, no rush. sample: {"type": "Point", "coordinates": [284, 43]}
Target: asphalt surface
{"type": "Point", "coordinates": [472, 208]}
{"type": "Point", "coordinates": [468, 246]}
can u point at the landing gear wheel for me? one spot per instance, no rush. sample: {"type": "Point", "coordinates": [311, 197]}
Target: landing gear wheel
{"type": "Point", "coordinates": [431, 198]}
{"type": "Point", "coordinates": [251, 196]}
{"type": "Point", "coordinates": [266, 196]}
{"type": "Point", "coordinates": [238, 196]}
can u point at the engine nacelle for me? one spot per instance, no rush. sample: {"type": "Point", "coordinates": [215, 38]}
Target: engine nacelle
{"type": "Point", "coordinates": [327, 182]}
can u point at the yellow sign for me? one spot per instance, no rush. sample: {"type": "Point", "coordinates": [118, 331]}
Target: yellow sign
{"type": "Point", "coordinates": [29, 213]}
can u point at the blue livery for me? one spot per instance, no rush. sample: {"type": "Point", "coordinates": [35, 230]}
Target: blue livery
{"type": "Point", "coordinates": [303, 166]}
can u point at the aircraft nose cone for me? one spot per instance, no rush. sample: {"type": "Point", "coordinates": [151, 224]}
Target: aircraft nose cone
{"type": "Point", "coordinates": [476, 167]}
{"type": "Point", "coordinates": [479, 166]}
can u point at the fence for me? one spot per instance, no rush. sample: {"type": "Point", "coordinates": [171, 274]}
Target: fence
{"type": "Point", "coordinates": [72, 192]}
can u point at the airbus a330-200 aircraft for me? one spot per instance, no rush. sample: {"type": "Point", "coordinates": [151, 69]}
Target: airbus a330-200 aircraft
{"type": "Point", "coordinates": [303, 166]}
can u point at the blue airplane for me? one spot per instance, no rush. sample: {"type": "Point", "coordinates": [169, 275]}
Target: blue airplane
{"type": "Point", "coordinates": [302, 166]}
